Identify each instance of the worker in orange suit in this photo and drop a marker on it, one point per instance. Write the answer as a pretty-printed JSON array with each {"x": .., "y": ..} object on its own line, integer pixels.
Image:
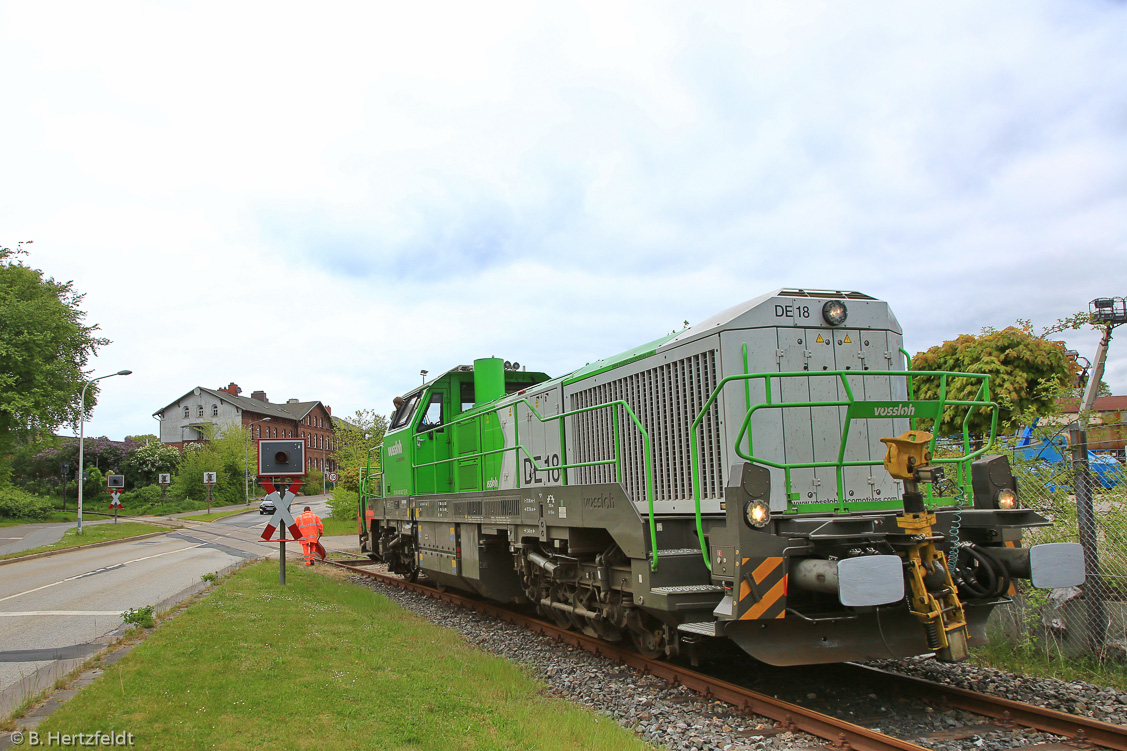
[{"x": 311, "y": 531}]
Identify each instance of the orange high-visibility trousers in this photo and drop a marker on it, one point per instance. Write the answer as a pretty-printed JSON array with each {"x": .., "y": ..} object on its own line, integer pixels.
[{"x": 311, "y": 529}]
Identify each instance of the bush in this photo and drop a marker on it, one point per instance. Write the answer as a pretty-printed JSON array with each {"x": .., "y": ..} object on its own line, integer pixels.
[
  {"x": 142, "y": 617},
  {"x": 314, "y": 482},
  {"x": 137, "y": 501},
  {"x": 343, "y": 504},
  {"x": 19, "y": 504}
]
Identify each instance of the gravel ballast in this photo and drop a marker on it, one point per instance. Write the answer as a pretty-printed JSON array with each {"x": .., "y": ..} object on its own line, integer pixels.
[{"x": 676, "y": 718}]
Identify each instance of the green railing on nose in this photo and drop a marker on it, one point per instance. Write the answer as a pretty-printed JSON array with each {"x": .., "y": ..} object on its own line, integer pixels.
[{"x": 913, "y": 409}]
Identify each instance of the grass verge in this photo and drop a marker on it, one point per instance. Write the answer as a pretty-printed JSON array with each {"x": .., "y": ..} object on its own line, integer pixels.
[
  {"x": 92, "y": 533},
  {"x": 1041, "y": 662},
  {"x": 322, "y": 664},
  {"x": 55, "y": 515},
  {"x": 334, "y": 526}
]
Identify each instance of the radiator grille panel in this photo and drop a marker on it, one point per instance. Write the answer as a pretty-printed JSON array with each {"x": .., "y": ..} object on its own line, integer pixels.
[{"x": 666, "y": 400}]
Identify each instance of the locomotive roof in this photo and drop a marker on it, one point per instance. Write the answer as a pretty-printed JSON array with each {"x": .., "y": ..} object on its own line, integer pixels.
[{"x": 744, "y": 315}]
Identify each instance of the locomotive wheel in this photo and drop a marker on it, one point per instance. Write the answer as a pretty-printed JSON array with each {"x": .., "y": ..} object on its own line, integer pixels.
[
  {"x": 647, "y": 643},
  {"x": 605, "y": 630},
  {"x": 585, "y": 625},
  {"x": 562, "y": 619}
]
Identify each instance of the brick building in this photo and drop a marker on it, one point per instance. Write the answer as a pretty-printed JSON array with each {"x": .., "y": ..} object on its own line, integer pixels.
[{"x": 183, "y": 421}]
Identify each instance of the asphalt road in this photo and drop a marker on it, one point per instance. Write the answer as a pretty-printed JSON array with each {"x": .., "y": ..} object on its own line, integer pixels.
[{"x": 58, "y": 610}]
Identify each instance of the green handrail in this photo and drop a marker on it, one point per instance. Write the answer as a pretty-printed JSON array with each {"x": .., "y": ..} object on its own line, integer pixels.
[
  {"x": 364, "y": 477},
  {"x": 616, "y": 460},
  {"x": 938, "y": 405}
]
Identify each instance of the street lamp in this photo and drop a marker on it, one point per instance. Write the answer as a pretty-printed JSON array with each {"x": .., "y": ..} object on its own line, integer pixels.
[
  {"x": 82, "y": 436},
  {"x": 246, "y": 459}
]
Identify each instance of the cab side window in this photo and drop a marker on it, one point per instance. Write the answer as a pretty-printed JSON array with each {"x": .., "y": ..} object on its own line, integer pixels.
[
  {"x": 466, "y": 395},
  {"x": 432, "y": 418}
]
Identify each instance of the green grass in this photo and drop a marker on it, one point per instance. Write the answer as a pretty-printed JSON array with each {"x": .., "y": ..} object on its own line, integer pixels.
[
  {"x": 1040, "y": 662},
  {"x": 213, "y": 516},
  {"x": 322, "y": 664},
  {"x": 93, "y": 533},
  {"x": 334, "y": 526}
]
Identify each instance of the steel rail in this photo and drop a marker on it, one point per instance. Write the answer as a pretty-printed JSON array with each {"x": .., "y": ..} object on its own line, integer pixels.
[
  {"x": 789, "y": 717},
  {"x": 1082, "y": 730}
]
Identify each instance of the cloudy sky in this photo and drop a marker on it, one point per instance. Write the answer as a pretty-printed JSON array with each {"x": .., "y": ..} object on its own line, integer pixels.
[{"x": 319, "y": 200}]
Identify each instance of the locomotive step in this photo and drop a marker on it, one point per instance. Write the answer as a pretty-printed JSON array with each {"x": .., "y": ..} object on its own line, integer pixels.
[
  {"x": 704, "y": 628},
  {"x": 678, "y": 552},
  {"x": 687, "y": 589}
]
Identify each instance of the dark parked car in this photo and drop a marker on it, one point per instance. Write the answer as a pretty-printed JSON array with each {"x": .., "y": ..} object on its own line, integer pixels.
[{"x": 266, "y": 507}]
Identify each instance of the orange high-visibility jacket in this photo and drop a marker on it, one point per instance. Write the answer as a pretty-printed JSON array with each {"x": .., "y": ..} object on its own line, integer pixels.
[{"x": 310, "y": 526}]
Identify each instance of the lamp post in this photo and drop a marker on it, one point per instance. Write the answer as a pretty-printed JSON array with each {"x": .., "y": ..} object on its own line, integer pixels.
[
  {"x": 82, "y": 437},
  {"x": 246, "y": 460}
]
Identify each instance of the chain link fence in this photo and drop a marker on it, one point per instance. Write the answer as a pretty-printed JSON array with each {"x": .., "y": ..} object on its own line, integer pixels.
[{"x": 1081, "y": 486}]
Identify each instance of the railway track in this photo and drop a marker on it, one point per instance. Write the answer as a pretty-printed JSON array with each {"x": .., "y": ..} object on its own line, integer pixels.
[{"x": 1000, "y": 714}]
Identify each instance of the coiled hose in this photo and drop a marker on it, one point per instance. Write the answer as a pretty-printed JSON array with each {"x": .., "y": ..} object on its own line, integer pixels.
[{"x": 978, "y": 574}]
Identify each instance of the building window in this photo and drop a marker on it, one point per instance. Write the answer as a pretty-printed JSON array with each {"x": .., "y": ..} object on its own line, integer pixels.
[
  {"x": 259, "y": 429},
  {"x": 215, "y": 410},
  {"x": 187, "y": 413},
  {"x": 199, "y": 411}
]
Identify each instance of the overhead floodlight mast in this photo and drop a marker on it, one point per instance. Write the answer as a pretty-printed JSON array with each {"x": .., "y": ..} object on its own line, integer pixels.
[
  {"x": 82, "y": 436},
  {"x": 1108, "y": 312}
]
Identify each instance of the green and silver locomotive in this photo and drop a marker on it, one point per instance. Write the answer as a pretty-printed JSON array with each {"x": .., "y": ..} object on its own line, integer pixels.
[{"x": 757, "y": 477}]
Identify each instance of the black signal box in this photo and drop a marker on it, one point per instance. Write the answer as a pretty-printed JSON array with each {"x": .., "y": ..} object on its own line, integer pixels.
[{"x": 281, "y": 457}]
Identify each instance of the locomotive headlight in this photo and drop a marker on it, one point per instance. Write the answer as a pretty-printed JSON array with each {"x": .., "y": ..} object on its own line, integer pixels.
[
  {"x": 757, "y": 513},
  {"x": 1005, "y": 498},
  {"x": 835, "y": 312}
]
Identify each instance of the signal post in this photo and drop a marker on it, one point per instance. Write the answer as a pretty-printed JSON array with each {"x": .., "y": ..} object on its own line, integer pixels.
[
  {"x": 281, "y": 467},
  {"x": 115, "y": 484}
]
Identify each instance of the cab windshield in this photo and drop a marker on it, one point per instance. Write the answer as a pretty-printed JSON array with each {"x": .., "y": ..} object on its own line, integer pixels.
[{"x": 403, "y": 415}]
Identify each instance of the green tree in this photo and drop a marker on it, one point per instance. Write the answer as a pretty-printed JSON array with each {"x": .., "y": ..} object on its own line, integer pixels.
[
  {"x": 44, "y": 349},
  {"x": 1027, "y": 374},
  {"x": 314, "y": 482},
  {"x": 355, "y": 438},
  {"x": 143, "y": 464},
  {"x": 222, "y": 454}
]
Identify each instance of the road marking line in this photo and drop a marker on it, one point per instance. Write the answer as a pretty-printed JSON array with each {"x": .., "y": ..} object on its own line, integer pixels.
[
  {"x": 31, "y": 613},
  {"x": 97, "y": 570}
]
